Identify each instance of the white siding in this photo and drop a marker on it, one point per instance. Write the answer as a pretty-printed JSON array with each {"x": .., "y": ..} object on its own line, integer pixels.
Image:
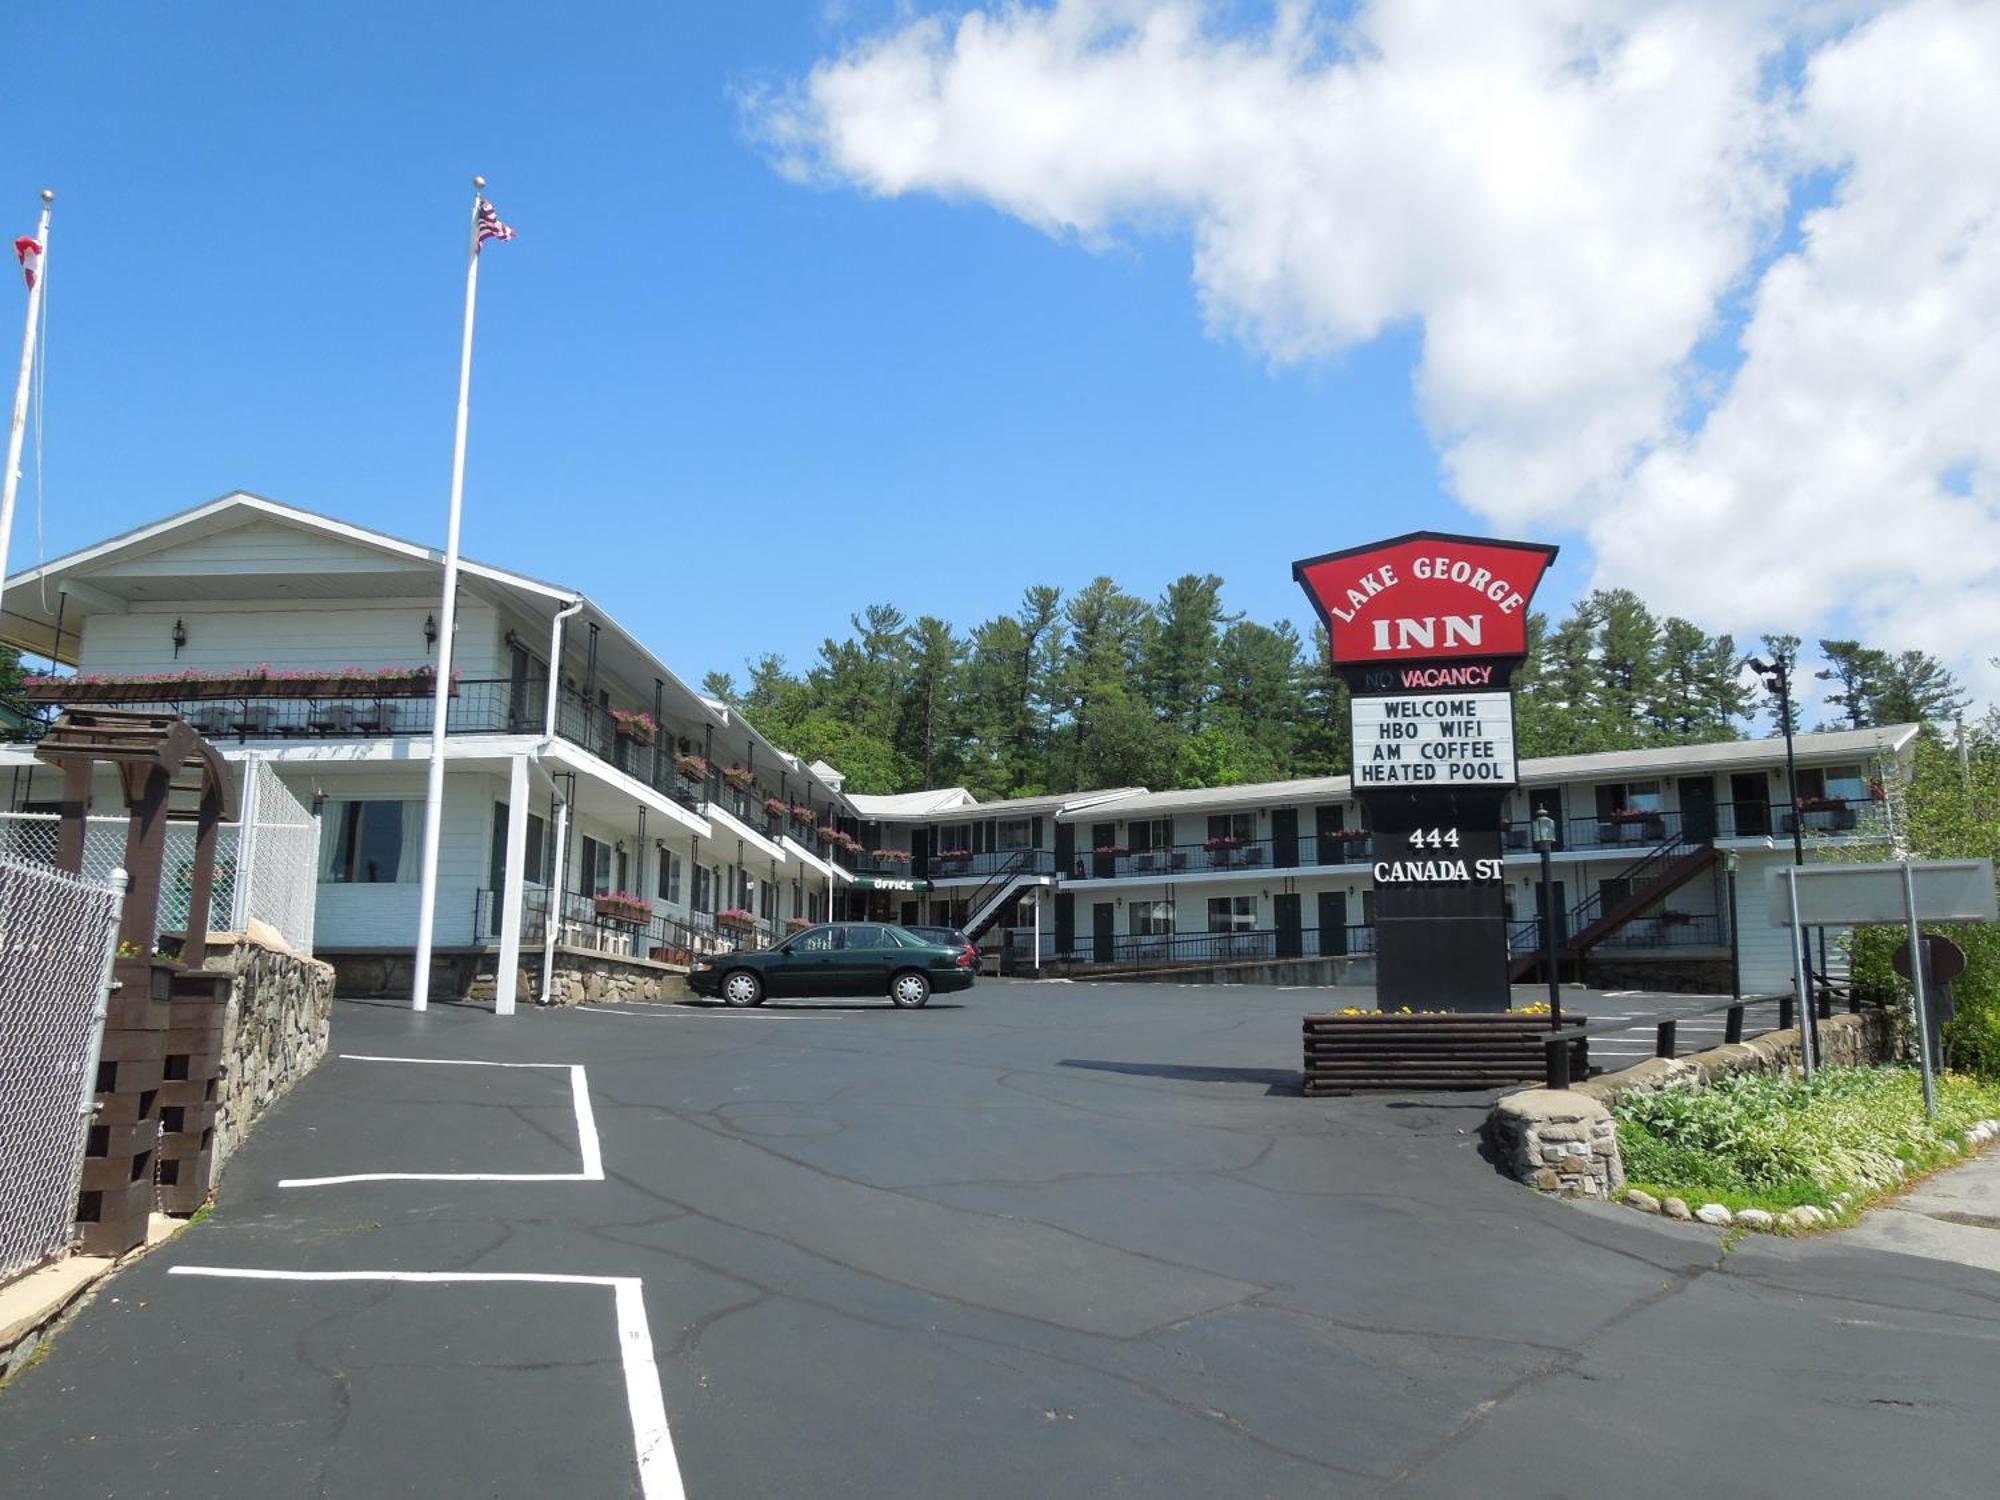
[
  {"x": 300, "y": 635},
  {"x": 261, "y": 546}
]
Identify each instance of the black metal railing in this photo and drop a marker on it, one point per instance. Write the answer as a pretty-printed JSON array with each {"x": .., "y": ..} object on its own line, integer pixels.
[
  {"x": 961, "y": 866},
  {"x": 1146, "y": 950},
  {"x": 1753, "y": 1015},
  {"x": 1669, "y": 929}
]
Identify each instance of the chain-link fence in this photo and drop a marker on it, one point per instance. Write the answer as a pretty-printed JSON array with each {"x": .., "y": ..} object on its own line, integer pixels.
[
  {"x": 276, "y": 879},
  {"x": 266, "y": 865},
  {"x": 56, "y": 937}
]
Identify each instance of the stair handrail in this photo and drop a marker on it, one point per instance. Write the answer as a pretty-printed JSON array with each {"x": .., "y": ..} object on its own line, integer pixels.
[{"x": 998, "y": 882}]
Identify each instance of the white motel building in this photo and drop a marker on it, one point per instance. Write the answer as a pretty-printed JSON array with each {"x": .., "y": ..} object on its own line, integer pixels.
[{"x": 302, "y": 644}]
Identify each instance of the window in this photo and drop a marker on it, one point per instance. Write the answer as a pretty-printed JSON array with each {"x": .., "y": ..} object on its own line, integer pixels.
[
  {"x": 1232, "y": 826},
  {"x": 1151, "y": 833},
  {"x": 372, "y": 843},
  {"x": 868, "y": 935},
  {"x": 1232, "y": 913},
  {"x": 593, "y": 874},
  {"x": 952, "y": 837},
  {"x": 1629, "y": 796},
  {"x": 669, "y": 888},
  {"x": 814, "y": 940},
  {"x": 1843, "y": 782},
  {"x": 1016, "y": 833},
  {"x": 704, "y": 887},
  {"x": 1151, "y": 918}
]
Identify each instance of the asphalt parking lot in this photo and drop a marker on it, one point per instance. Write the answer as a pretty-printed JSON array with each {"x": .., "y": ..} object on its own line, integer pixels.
[{"x": 1038, "y": 1239}]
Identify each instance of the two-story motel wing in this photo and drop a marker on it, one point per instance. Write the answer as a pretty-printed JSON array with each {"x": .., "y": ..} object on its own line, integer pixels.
[{"x": 666, "y": 796}]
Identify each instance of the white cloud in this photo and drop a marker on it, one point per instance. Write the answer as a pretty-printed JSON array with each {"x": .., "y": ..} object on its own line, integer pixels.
[{"x": 1564, "y": 194}]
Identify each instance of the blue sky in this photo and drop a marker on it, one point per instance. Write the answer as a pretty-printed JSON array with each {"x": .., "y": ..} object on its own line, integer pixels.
[{"x": 691, "y": 375}]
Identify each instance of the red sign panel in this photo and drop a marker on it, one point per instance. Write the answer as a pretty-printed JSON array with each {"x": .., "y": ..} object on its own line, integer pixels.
[{"x": 1426, "y": 596}]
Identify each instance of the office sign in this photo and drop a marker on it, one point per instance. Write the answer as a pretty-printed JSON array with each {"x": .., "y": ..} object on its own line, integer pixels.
[
  {"x": 1433, "y": 739},
  {"x": 1426, "y": 630},
  {"x": 1426, "y": 598}
]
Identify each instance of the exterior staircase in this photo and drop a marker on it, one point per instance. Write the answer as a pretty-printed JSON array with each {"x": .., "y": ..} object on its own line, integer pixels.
[
  {"x": 1648, "y": 882},
  {"x": 1002, "y": 889}
]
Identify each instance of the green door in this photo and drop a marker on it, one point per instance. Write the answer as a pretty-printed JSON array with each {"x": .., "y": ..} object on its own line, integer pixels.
[
  {"x": 1101, "y": 931},
  {"x": 1332, "y": 923},
  {"x": 1285, "y": 909}
]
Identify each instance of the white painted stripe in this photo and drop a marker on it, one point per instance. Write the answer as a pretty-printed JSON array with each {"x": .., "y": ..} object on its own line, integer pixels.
[
  {"x": 586, "y": 1125},
  {"x": 652, "y": 1440},
  {"x": 739, "y": 1015},
  {"x": 586, "y": 1134},
  {"x": 450, "y": 1062}
]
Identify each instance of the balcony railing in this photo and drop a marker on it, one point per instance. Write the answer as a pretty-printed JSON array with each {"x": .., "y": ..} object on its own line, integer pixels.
[
  {"x": 664, "y": 937},
  {"x": 991, "y": 862},
  {"x": 1241, "y": 946},
  {"x": 1216, "y": 856},
  {"x": 1660, "y": 929}
]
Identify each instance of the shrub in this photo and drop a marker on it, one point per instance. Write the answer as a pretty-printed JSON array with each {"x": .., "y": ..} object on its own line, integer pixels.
[{"x": 1783, "y": 1140}]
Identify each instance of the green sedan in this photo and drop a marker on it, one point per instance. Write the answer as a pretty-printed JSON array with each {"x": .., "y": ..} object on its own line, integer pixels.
[{"x": 838, "y": 958}]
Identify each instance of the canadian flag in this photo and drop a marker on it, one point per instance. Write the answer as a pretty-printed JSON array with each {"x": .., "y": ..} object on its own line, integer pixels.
[{"x": 30, "y": 251}]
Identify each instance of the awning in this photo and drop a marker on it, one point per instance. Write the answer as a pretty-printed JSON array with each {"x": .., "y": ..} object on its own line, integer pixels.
[{"x": 889, "y": 883}]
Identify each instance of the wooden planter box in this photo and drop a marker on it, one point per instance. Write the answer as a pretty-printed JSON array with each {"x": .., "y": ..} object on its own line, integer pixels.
[
  {"x": 185, "y": 689},
  {"x": 637, "y": 733},
  {"x": 736, "y": 924},
  {"x": 623, "y": 911},
  {"x": 1390, "y": 1053}
]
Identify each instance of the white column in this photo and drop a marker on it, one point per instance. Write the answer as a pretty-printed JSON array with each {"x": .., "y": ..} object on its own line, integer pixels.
[
  {"x": 511, "y": 887},
  {"x": 552, "y": 923}
]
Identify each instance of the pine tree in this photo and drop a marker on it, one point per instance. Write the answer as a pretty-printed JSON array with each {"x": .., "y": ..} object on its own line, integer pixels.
[
  {"x": 1919, "y": 689},
  {"x": 1178, "y": 666},
  {"x": 932, "y": 712},
  {"x": 1861, "y": 672}
]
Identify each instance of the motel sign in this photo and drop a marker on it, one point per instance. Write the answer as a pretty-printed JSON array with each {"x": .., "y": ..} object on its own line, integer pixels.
[{"x": 1426, "y": 630}]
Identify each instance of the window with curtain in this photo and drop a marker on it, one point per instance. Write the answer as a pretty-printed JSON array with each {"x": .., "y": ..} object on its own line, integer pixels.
[
  {"x": 371, "y": 843},
  {"x": 669, "y": 877},
  {"x": 1151, "y": 918},
  {"x": 1232, "y": 826},
  {"x": 1232, "y": 913}
]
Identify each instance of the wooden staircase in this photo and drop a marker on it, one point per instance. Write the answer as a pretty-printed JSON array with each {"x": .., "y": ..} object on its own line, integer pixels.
[{"x": 1665, "y": 870}]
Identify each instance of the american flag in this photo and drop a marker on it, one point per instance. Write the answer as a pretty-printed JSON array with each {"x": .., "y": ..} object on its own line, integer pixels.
[{"x": 490, "y": 227}]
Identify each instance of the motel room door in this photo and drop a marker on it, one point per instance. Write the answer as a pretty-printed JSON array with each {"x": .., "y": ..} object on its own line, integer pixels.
[
  {"x": 1285, "y": 908},
  {"x": 1101, "y": 929},
  {"x": 1332, "y": 923}
]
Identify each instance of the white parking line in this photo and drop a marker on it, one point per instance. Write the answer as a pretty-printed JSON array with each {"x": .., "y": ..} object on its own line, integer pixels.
[
  {"x": 650, "y": 1015},
  {"x": 586, "y": 1132},
  {"x": 659, "y": 1470}
]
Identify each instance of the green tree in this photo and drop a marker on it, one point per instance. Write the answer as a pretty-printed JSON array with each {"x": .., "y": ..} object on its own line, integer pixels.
[
  {"x": 1783, "y": 650},
  {"x": 1950, "y": 809},
  {"x": 1111, "y": 734},
  {"x": 1178, "y": 658},
  {"x": 1919, "y": 689},
  {"x": 931, "y": 724},
  {"x": 1858, "y": 673}
]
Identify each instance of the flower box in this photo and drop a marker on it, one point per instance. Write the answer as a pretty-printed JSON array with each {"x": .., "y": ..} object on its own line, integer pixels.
[
  {"x": 1350, "y": 835},
  {"x": 671, "y": 955},
  {"x": 639, "y": 728},
  {"x": 252, "y": 682},
  {"x": 735, "y": 919},
  {"x": 776, "y": 806},
  {"x": 893, "y": 856},
  {"x": 797, "y": 924},
  {"x": 1821, "y": 804},
  {"x": 954, "y": 854},
  {"x": 740, "y": 778},
  {"x": 692, "y": 767},
  {"x": 1111, "y": 851},
  {"x": 623, "y": 906},
  {"x": 804, "y": 814},
  {"x": 1228, "y": 842}
]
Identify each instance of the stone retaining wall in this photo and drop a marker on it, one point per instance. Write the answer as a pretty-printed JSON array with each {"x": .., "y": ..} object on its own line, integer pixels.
[
  {"x": 581, "y": 974},
  {"x": 280, "y": 1015},
  {"x": 1564, "y": 1140}
]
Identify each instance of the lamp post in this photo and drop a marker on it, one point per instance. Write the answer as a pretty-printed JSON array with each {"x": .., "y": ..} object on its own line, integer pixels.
[
  {"x": 1735, "y": 938},
  {"x": 1777, "y": 676},
  {"x": 1545, "y": 841}
]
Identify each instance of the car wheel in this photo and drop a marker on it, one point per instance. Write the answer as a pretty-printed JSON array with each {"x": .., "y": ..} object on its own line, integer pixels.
[
  {"x": 910, "y": 989},
  {"x": 742, "y": 987}
]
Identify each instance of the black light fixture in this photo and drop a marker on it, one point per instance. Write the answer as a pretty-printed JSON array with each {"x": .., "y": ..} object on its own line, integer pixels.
[
  {"x": 180, "y": 637},
  {"x": 1545, "y": 843},
  {"x": 430, "y": 632}
]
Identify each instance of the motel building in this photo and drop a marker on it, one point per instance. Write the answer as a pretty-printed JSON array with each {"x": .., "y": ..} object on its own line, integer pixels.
[{"x": 658, "y": 825}]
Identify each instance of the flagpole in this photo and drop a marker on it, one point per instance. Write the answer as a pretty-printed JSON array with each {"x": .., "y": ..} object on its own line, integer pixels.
[
  {"x": 19, "y": 426},
  {"x": 420, "y": 981}
]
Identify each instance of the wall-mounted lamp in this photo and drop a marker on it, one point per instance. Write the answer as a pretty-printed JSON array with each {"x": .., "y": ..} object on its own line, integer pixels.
[
  {"x": 430, "y": 632},
  {"x": 180, "y": 637}
]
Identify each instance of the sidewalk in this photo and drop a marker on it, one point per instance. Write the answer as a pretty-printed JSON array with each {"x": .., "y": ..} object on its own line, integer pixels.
[{"x": 1953, "y": 1216}]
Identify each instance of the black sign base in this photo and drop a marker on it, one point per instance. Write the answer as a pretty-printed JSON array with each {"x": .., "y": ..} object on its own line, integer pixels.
[{"x": 1440, "y": 900}]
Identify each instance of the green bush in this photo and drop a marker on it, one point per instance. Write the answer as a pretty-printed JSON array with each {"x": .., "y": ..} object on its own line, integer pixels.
[{"x": 1779, "y": 1141}]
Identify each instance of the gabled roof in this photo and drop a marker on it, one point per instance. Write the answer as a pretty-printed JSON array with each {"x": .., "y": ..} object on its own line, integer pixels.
[
  {"x": 893, "y": 805},
  {"x": 27, "y": 624}
]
